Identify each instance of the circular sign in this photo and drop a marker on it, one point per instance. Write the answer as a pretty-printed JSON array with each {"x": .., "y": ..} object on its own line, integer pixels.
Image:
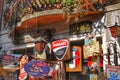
[{"x": 37, "y": 68}]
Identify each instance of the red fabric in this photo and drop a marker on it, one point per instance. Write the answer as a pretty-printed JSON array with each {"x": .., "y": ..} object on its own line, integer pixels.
[
  {"x": 90, "y": 61},
  {"x": 53, "y": 73},
  {"x": 101, "y": 61}
]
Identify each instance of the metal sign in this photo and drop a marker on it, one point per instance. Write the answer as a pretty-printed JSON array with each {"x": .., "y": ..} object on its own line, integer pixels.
[
  {"x": 113, "y": 72},
  {"x": 60, "y": 48},
  {"x": 37, "y": 68},
  {"x": 23, "y": 62},
  {"x": 74, "y": 64}
]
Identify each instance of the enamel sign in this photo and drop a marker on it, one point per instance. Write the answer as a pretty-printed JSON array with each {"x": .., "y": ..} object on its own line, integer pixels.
[
  {"x": 76, "y": 58},
  {"x": 74, "y": 64},
  {"x": 37, "y": 68},
  {"x": 113, "y": 72},
  {"x": 60, "y": 48},
  {"x": 23, "y": 62}
]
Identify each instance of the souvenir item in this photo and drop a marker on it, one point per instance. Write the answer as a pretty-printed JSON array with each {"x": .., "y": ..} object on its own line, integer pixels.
[
  {"x": 60, "y": 49},
  {"x": 113, "y": 72},
  {"x": 88, "y": 50},
  {"x": 37, "y": 68},
  {"x": 87, "y": 42},
  {"x": 74, "y": 64},
  {"x": 8, "y": 59},
  {"x": 23, "y": 62},
  {"x": 40, "y": 45}
]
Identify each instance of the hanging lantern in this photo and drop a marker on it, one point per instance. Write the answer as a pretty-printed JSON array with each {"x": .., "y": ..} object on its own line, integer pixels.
[{"x": 115, "y": 30}]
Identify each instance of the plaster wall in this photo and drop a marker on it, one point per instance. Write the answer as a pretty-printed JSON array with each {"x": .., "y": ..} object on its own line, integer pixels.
[
  {"x": 112, "y": 15},
  {"x": 5, "y": 41}
]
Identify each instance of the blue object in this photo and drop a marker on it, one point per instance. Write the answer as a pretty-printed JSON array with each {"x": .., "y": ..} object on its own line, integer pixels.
[{"x": 37, "y": 68}]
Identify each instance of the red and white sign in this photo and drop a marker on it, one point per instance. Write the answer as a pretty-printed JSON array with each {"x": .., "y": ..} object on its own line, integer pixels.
[
  {"x": 76, "y": 59},
  {"x": 23, "y": 61},
  {"x": 113, "y": 72},
  {"x": 75, "y": 63},
  {"x": 60, "y": 48},
  {"x": 8, "y": 57}
]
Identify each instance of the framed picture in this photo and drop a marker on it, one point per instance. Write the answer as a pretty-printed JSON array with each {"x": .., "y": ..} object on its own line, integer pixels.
[
  {"x": 88, "y": 50},
  {"x": 75, "y": 63}
]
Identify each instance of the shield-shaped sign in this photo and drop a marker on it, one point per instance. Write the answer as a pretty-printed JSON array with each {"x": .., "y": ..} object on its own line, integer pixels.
[{"x": 60, "y": 48}]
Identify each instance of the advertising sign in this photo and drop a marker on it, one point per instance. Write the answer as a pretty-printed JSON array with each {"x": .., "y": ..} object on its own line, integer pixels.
[
  {"x": 23, "y": 62},
  {"x": 7, "y": 59},
  {"x": 89, "y": 50},
  {"x": 60, "y": 49},
  {"x": 74, "y": 64},
  {"x": 37, "y": 68},
  {"x": 113, "y": 72}
]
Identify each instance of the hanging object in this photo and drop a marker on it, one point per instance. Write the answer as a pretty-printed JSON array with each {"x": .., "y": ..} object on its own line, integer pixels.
[
  {"x": 87, "y": 41},
  {"x": 37, "y": 68},
  {"x": 99, "y": 28},
  {"x": 75, "y": 63},
  {"x": 115, "y": 32},
  {"x": 23, "y": 62},
  {"x": 40, "y": 44},
  {"x": 89, "y": 50},
  {"x": 95, "y": 58},
  {"x": 115, "y": 29},
  {"x": 7, "y": 60},
  {"x": 60, "y": 49},
  {"x": 113, "y": 72}
]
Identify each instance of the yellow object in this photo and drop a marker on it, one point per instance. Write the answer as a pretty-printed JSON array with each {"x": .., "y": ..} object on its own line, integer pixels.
[{"x": 3, "y": 72}]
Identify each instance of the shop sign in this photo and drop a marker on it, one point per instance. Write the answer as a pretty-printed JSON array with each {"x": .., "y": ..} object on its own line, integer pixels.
[
  {"x": 37, "y": 68},
  {"x": 74, "y": 64},
  {"x": 89, "y": 50},
  {"x": 113, "y": 72},
  {"x": 60, "y": 48},
  {"x": 8, "y": 57}
]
